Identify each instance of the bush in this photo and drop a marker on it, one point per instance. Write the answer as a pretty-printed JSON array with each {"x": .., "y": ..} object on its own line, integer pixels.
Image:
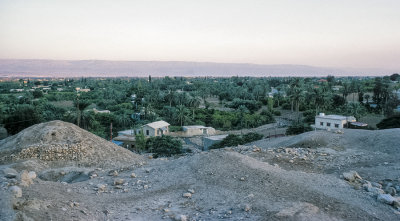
[
  {"x": 298, "y": 129},
  {"x": 250, "y": 137},
  {"x": 175, "y": 128},
  {"x": 390, "y": 122},
  {"x": 277, "y": 113},
  {"x": 309, "y": 116},
  {"x": 164, "y": 146},
  {"x": 234, "y": 140}
]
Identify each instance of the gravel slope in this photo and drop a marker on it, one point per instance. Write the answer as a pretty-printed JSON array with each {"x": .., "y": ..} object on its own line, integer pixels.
[{"x": 289, "y": 178}]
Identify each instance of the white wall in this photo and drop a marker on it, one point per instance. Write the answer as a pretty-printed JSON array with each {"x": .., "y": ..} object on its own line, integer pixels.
[{"x": 326, "y": 121}]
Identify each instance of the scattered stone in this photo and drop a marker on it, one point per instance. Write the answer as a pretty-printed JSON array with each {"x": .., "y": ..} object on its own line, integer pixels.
[
  {"x": 166, "y": 210},
  {"x": 386, "y": 198},
  {"x": 291, "y": 161},
  {"x": 16, "y": 191},
  {"x": 377, "y": 185},
  {"x": 25, "y": 179},
  {"x": 375, "y": 190},
  {"x": 242, "y": 179},
  {"x": 113, "y": 173},
  {"x": 391, "y": 191},
  {"x": 396, "y": 204},
  {"x": 101, "y": 187},
  {"x": 32, "y": 175},
  {"x": 247, "y": 208},
  {"x": 145, "y": 186},
  {"x": 133, "y": 175},
  {"x": 187, "y": 195},
  {"x": 367, "y": 185},
  {"x": 74, "y": 204},
  {"x": 118, "y": 182},
  {"x": 181, "y": 218},
  {"x": 351, "y": 176},
  {"x": 10, "y": 173},
  {"x": 191, "y": 191}
]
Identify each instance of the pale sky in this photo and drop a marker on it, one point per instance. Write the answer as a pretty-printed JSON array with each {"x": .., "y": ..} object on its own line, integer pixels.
[{"x": 329, "y": 33}]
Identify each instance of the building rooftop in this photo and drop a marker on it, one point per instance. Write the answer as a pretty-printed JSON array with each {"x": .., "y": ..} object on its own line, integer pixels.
[
  {"x": 195, "y": 127},
  {"x": 336, "y": 117},
  {"x": 129, "y": 132},
  {"x": 218, "y": 137},
  {"x": 158, "y": 124},
  {"x": 332, "y": 116}
]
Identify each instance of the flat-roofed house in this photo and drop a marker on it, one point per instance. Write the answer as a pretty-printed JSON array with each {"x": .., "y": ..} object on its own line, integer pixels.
[
  {"x": 328, "y": 122},
  {"x": 155, "y": 129}
]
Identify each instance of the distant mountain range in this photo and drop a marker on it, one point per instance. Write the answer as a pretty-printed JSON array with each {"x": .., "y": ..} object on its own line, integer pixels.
[{"x": 105, "y": 68}]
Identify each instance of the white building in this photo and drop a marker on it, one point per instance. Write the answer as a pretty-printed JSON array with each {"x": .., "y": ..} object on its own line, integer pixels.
[
  {"x": 155, "y": 129},
  {"x": 328, "y": 122},
  {"x": 101, "y": 111},
  {"x": 196, "y": 130}
]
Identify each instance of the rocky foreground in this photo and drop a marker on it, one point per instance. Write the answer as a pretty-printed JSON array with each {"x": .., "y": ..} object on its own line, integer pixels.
[{"x": 304, "y": 177}]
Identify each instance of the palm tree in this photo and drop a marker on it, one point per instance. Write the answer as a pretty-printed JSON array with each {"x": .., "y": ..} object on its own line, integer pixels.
[
  {"x": 194, "y": 103},
  {"x": 367, "y": 97},
  {"x": 318, "y": 98},
  {"x": 181, "y": 114},
  {"x": 297, "y": 94}
]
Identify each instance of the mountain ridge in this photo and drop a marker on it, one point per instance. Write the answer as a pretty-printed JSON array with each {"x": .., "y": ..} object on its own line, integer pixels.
[{"x": 118, "y": 68}]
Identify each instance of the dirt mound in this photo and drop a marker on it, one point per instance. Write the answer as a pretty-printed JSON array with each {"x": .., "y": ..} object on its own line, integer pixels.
[{"x": 61, "y": 143}]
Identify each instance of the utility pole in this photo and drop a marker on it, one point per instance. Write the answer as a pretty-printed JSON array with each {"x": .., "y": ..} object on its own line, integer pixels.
[{"x": 111, "y": 131}]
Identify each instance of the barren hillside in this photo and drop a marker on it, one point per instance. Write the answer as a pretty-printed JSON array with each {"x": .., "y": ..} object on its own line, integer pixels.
[{"x": 300, "y": 177}]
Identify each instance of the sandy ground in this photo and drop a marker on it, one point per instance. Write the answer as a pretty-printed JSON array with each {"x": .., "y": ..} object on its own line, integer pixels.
[{"x": 288, "y": 178}]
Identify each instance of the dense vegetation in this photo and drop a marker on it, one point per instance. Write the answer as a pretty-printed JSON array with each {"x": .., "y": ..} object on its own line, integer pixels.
[
  {"x": 234, "y": 140},
  {"x": 222, "y": 103},
  {"x": 164, "y": 146},
  {"x": 390, "y": 122}
]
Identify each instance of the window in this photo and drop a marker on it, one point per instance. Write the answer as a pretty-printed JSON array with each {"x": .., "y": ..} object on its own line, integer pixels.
[
  {"x": 321, "y": 123},
  {"x": 147, "y": 132},
  {"x": 337, "y": 125},
  {"x": 328, "y": 124}
]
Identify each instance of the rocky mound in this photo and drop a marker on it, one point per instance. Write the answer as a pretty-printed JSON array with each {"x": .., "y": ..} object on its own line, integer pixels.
[{"x": 61, "y": 143}]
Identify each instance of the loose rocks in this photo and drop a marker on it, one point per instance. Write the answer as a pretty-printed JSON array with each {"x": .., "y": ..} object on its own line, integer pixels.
[
  {"x": 16, "y": 191},
  {"x": 386, "y": 198},
  {"x": 187, "y": 195},
  {"x": 10, "y": 173},
  {"x": 101, "y": 187},
  {"x": 375, "y": 190},
  {"x": 351, "y": 176},
  {"x": 27, "y": 178},
  {"x": 118, "y": 182}
]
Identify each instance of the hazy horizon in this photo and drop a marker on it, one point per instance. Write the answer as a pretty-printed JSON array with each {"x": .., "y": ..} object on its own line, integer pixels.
[{"x": 360, "y": 34}]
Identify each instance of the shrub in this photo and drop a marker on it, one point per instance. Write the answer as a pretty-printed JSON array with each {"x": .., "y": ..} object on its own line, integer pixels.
[
  {"x": 390, "y": 122},
  {"x": 175, "y": 128},
  {"x": 234, "y": 140},
  {"x": 164, "y": 146},
  {"x": 250, "y": 137},
  {"x": 298, "y": 129},
  {"x": 277, "y": 113}
]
